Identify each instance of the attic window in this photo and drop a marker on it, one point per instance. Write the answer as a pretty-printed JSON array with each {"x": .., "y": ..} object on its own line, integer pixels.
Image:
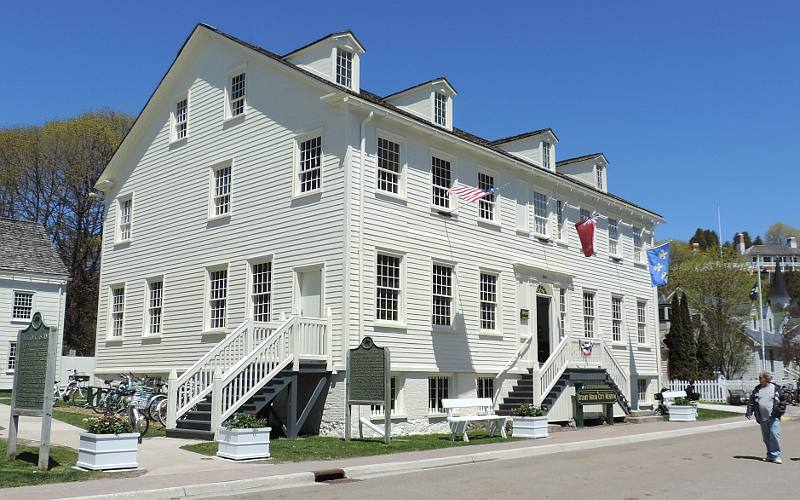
[
  {"x": 546, "y": 155},
  {"x": 440, "y": 109},
  {"x": 599, "y": 171},
  {"x": 237, "y": 95},
  {"x": 344, "y": 67}
]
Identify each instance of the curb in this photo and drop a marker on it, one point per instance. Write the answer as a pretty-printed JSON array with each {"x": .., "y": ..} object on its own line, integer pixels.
[{"x": 361, "y": 472}]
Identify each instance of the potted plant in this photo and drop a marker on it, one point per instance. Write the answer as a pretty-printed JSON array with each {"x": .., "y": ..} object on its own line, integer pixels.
[
  {"x": 107, "y": 444},
  {"x": 682, "y": 410},
  {"x": 243, "y": 437},
  {"x": 529, "y": 421}
]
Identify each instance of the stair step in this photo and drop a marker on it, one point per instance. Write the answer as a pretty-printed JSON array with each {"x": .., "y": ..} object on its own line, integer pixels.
[
  {"x": 648, "y": 419},
  {"x": 190, "y": 434},
  {"x": 198, "y": 415},
  {"x": 201, "y": 425}
]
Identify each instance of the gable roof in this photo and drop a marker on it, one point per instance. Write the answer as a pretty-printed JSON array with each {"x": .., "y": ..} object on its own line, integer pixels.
[
  {"x": 379, "y": 101},
  {"x": 429, "y": 82},
  {"x": 25, "y": 247},
  {"x": 592, "y": 156},
  {"x": 524, "y": 135},
  {"x": 771, "y": 250},
  {"x": 329, "y": 35}
]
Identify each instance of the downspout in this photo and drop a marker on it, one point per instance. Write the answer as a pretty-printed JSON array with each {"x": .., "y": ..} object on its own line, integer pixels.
[{"x": 362, "y": 163}]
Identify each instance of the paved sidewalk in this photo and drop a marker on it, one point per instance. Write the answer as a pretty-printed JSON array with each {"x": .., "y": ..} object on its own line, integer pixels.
[{"x": 180, "y": 472}]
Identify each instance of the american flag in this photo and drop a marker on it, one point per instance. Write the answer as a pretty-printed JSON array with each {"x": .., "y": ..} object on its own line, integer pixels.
[
  {"x": 752, "y": 269},
  {"x": 470, "y": 194}
]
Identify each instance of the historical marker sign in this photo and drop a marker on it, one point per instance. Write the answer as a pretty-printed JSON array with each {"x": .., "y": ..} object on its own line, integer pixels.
[
  {"x": 369, "y": 381},
  {"x": 596, "y": 394},
  {"x": 34, "y": 376}
]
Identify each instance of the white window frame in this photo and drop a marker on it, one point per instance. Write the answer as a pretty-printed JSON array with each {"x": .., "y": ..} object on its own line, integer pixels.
[
  {"x": 123, "y": 225},
  {"x": 344, "y": 79},
  {"x": 297, "y": 185},
  {"x": 617, "y": 315},
  {"x": 560, "y": 220},
  {"x": 451, "y": 296},
  {"x": 641, "y": 393},
  {"x": 229, "y": 115},
  {"x": 175, "y": 123},
  {"x": 400, "y": 175},
  {"x": 19, "y": 319},
  {"x": 589, "y": 310},
  {"x": 599, "y": 180},
  {"x": 563, "y": 311},
  {"x": 638, "y": 250},
  {"x": 377, "y": 412},
  {"x": 213, "y": 196},
  {"x": 440, "y": 119},
  {"x": 148, "y": 307},
  {"x": 540, "y": 220},
  {"x": 110, "y": 335},
  {"x": 614, "y": 242},
  {"x": 401, "y": 290},
  {"x": 440, "y": 392},
  {"x": 496, "y": 328},
  {"x": 207, "y": 299},
  {"x": 641, "y": 322},
  {"x": 546, "y": 156},
  {"x": 451, "y": 161},
  {"x": 492, "y": 203},
  {"x": 584, "y": 214},
  {"x": 485, "y": 380},
  {"x": 11, "y": 360},
  {"x": 251, "y": 295}
]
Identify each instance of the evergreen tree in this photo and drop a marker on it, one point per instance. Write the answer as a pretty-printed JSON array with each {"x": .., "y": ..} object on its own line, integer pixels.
[
  {"x": 681, "y": 342},
  {"x": 758, "y": 240},
  {"x": 705, "y": 367}
]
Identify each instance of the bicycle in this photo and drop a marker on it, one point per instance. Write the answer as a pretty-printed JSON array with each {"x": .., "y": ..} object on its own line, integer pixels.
[{"x": 72, "y": 388}]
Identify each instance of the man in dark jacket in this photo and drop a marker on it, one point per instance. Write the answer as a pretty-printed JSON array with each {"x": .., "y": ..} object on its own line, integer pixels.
[{"x": 766, "y": 403}]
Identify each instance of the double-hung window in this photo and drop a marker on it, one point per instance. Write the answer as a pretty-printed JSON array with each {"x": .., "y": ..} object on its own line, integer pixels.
[
  {"x": 599, "y": 172},
  {"x": 486, "y": 205},
  {"x": 546, "y": 155},
  {"x": 540, "y": 214},
  {"x": 181, "y": 119},
  {"x": 236, "y": 95},
  {"x": 344, "y": 67},
  {"x": 562, "y": 312},
  {"x": 588, "y": 314},
  {"x": 488, "y": 301},
  {"x": 221, "y": 194},
  {"x": 155, "y": 304},
  {"x": 309, "y": 171},
  {"x": 442, "y": 295},
  {"x": 586, "y": 214},
  {"x": 377, "y": 410},
  {"x": 641, "y": 321},
  {"x": 22, "y": 307},
  {"x": 125, "y": 207},
  {"x": 613, "y": 237},
  {"x": 117, "y": 310},
  {"x": 616, "y": 319},
  {"x": 12, "y": 355},
  {"x": 441, "y": 180},
  {"x": 261, "y": 291},
  {"x": 641, "y": 386},
  {"x": 485, "y": 387},
  {"x": 389, "y": 167},
  {"x": 440, "y": 108},
  {"x": 559, "y": 220},
  {"x": 438, "y": 389},
  {"x": 217, "y": 298},
  {"x": 637, "y": 245},
  {"x": 388, "y": 289}
]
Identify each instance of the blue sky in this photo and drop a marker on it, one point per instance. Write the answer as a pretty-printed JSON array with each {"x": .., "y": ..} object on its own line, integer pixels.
[{"x": 695, "y": 104}]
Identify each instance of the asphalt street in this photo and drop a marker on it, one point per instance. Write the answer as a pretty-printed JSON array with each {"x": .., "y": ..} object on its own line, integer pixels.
[{"x": 717, "y": 465}]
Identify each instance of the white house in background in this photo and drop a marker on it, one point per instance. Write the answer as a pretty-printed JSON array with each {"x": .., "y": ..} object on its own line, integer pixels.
[
  {"x": 787, "y": 254},
  {"x": 265, "y": 213},
  {"x": 32, "y": 278}
]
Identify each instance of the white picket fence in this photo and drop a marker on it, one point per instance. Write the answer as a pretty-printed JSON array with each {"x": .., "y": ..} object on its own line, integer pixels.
[{"x": 717, "y": 390}]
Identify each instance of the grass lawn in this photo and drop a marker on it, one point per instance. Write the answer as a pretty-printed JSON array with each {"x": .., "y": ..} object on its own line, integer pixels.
[
  {"x": 23, "y": 470},
  {"x": 325, "y": 448},
  {"x": 703, "y": 414},
  {"x": 75, "y": 414}
]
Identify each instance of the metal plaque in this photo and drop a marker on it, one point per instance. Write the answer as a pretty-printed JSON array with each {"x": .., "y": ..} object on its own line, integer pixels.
[
  {"x": 30, "y": 368},
  {"x": 596, "y": 394},
  {"x": 367, "y": 373}
]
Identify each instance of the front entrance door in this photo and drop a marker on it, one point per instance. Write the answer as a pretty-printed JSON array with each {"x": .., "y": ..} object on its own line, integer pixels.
[
  {"x": 310, "y": 286},
  {"x": 543, "y": 327}
]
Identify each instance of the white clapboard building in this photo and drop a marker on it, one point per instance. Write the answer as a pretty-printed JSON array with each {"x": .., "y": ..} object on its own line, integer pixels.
[
  {"x": 32, "y": 279},
  {"x": 265, "y": 213}
]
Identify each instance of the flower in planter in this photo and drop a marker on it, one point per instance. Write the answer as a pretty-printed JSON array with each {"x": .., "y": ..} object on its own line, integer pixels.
[
  {"x": 244, "y": 421},
  {"x": 108, "y": 424},
  {"x": 682, "y": 402},
  {"x": 528, "y": 410}
]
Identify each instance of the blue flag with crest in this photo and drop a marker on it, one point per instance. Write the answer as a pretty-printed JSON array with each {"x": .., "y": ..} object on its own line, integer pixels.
[{"x": 658, "y": 258}]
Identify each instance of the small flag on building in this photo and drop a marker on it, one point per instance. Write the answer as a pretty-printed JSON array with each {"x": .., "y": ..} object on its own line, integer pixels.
[
  {"x": 471, "y": 194},
  {"x": 752, "y": 268},
  {"x": 586, "y": 231},
  {"x": 658, "y": 258}
]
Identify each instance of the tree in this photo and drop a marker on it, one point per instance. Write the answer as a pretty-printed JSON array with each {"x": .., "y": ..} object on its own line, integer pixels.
[
  {"x": 777, "y": 233},
  {"x": 705, "y": 367},
  {"x": 705, "y": 238},
  {"x": 46, "y": 177},
  {"x": 680, "y": 341},
  {"x": 717, "y": 287},
  {"x": 790, "y": 350},
  {"x": 747, "y": 241},
  {"x": 758, "y": 240}
]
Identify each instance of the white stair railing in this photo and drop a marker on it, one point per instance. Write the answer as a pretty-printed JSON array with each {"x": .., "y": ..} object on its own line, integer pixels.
[
  {"x": 552, "y": 369},
  {"x": 614, "y": 369},
  {"x": 242, "y": 381}
]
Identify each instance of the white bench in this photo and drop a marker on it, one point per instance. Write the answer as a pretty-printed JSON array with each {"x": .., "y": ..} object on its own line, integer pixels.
[
  {"x": 670, "y": 396},
  {"x": 485, "y": 412}
]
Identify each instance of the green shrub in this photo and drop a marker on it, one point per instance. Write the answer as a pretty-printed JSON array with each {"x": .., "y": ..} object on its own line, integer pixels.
[
  {"x": 244, "y": 421},
  {"x": 528, "y": 410},
  {"x": 682, "y": 402},
  {"x": 107, "y": 424}
]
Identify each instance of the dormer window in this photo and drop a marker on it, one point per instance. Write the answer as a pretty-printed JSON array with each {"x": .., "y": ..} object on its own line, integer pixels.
[
  {"x": 440, "y": 109},
  {"x": 599, "y": 171},
  {"x": 546, "y": 155},
  {"x": 344, "y": 67}
]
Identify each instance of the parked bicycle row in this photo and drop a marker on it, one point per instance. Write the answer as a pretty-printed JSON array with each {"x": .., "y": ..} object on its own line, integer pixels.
[{"x": 143, "y": 399}]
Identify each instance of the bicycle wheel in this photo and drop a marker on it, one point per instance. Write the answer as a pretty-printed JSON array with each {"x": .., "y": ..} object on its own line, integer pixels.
[
  {"x": 152, "y": 407},
  {"x": 139, "y": 422},
  {"x": 98, "y": 402},
  {"x": 161, "y": 412}
]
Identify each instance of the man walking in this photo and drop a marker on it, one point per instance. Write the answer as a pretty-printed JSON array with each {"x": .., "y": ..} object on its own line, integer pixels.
[{"x": 766, "y": 402}]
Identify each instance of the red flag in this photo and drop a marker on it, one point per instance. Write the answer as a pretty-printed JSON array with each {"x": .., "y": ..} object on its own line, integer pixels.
[{"x": 585, "y": 230}]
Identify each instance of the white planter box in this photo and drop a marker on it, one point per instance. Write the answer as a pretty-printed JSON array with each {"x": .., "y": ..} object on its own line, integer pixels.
[
  {"x": 243, "y": 444},
  {"x": 529, "y": 427},
  {"x": 108, "y": 451},
  {"x": 682, "y": 414}
]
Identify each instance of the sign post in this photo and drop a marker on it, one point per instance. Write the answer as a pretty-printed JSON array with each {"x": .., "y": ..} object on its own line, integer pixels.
[
  {"x": 34, "y": 376},
  {"x": 594, "y": 394},
  {"x": 369, "y": 383}
]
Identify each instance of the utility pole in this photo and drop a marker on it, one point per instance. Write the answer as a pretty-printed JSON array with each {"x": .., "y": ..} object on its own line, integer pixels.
[{"x": 761, "y": 315}]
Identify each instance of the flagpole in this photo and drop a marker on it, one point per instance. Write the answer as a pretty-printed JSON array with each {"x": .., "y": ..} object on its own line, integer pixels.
[{"x": 761, "y": 316}]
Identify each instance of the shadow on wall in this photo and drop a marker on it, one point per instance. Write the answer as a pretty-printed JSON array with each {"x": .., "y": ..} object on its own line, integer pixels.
[{"x": 451, "y": 349}]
